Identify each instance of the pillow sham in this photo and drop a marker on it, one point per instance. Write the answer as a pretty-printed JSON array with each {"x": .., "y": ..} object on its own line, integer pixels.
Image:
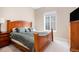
[
  {"x": 20, "y": 29},
  {"x": 23, "y": 29},
  {"x": 30, "y": 29},
  {"x": 14, "y": 30},
  {"x": 27, "y": 29}
]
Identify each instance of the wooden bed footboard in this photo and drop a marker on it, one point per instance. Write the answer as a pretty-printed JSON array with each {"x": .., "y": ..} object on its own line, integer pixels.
[{"x": 41, "y": 42}]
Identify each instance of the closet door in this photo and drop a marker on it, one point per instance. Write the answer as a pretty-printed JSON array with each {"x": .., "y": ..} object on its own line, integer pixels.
[{"x": 75, "y": 35}]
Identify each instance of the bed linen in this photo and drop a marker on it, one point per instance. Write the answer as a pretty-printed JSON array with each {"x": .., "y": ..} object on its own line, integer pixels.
[{"x": 26, "y": 38}]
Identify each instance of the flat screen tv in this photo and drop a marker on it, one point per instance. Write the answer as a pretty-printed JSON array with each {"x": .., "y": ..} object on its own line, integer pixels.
[{"x": 74, "y": 15}]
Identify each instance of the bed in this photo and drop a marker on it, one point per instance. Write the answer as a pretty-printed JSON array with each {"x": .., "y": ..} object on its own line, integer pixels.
[{"x": 40, "y": 41}]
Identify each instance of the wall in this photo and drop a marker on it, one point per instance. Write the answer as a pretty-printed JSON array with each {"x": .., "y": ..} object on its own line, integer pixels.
[
  {"x": 17, "y": 13},
  {"x": 36, "y": 16},
  {"x": 63, "y": 18}
]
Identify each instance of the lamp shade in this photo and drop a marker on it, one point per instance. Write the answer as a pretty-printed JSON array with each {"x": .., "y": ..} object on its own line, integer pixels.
[{"x": 2, "y": 20}]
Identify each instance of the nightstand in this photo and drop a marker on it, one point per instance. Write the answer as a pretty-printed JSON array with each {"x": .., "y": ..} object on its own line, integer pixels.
[{"x": 4, "y": 39}]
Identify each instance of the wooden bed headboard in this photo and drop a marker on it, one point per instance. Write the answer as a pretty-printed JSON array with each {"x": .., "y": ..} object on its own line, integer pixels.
[{"x": 15, "y": 24}]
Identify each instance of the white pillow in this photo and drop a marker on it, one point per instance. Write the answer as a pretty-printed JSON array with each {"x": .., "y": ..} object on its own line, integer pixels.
[{"x": 13, "y": 30}]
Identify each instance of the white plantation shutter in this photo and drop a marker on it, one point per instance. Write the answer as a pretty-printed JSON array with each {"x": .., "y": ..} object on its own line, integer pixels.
[{"x": 49, "y": 21}]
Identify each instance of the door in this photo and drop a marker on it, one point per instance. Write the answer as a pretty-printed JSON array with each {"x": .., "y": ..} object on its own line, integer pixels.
[{"x": 75, "y": 34}]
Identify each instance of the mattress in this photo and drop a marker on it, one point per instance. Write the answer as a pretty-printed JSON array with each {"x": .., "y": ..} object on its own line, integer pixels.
[{"x": 19, "y": 43}]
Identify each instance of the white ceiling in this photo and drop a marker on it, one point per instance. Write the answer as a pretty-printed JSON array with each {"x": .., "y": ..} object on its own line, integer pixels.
[{"x": 35, "y": 7}]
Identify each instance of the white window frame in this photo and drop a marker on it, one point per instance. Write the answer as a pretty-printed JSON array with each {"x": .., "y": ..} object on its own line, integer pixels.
[{"x": 53, "y": 13}]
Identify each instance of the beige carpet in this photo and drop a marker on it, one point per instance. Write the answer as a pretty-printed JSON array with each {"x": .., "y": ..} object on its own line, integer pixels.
[{"x": 56, "y": 46}]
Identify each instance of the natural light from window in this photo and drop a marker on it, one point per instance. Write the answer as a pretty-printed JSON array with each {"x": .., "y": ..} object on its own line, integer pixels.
[{"x": 50, "y": 21}]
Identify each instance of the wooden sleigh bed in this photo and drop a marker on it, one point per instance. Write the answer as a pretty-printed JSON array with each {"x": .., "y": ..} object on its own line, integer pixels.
[{"x": 40, "y": 42}]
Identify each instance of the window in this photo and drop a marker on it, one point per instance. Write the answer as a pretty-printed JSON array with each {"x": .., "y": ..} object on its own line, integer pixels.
[{"x": 50, "y": 21}]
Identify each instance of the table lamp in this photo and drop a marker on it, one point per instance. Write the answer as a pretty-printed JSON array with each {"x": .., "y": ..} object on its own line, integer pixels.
[{"x": 1, "y": 22}]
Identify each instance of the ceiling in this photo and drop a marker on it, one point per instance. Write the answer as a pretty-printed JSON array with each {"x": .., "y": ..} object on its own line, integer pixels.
[{"x": 35, "y": 7}]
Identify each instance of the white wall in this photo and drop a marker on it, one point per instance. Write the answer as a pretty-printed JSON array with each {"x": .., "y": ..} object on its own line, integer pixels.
[
  {"x": 17, "y": 13},
  {"x": 63, "y": 18},
  {"x": 36, "y": 16}
]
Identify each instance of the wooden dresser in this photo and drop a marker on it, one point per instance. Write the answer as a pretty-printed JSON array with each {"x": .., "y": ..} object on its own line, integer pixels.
[{"x": 4, "y": 39}]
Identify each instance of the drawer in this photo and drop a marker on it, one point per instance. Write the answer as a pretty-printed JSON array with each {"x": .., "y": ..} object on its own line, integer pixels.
[
  {"x": 4, "y": 43},
  {"x": 4, "y": 35},
  {"x": 4, "y": 39}
]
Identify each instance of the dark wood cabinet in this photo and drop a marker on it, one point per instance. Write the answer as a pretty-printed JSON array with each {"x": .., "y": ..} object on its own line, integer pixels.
[
  {"x": 4, "y": 39},
  {"x": 75, "y": 36}
]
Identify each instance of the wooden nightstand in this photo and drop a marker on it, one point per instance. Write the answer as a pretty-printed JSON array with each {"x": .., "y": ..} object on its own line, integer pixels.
[{"x": 4, "y": 39}]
